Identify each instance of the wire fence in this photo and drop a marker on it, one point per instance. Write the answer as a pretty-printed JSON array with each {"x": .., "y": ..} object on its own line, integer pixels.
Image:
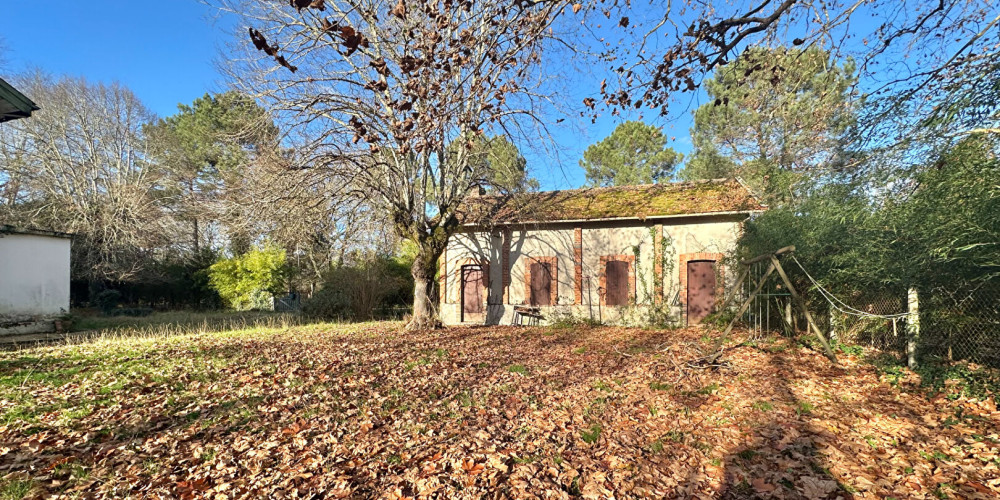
[
  {"x": 961, "y": 324},
  {"x": 882, "y": 328},
  {"x": 956, "y": 323}
]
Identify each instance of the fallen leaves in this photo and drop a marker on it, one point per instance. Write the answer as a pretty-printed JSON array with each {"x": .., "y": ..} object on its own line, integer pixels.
[
  {"x": 372, "y": 412},
  {"x": 471, "y": 467}
]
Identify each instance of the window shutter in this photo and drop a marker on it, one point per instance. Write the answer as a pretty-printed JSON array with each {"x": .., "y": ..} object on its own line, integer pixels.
[
  {"x": 616, "y": 281},
  {"x": 541, "y": 284}
]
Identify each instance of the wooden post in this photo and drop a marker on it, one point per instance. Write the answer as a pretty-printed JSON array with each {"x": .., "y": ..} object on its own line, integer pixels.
[
  {"x": 802, "y": 305},
  {"x": 789, "y": 321},
  {"x": 912, "y": 328}
]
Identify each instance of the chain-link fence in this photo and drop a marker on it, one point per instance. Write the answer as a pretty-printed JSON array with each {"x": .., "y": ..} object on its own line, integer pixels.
[
  {"x": 880, "y": 326},
  {"x": 961, "y": 324},
  {"x": 955, "y": 323}
]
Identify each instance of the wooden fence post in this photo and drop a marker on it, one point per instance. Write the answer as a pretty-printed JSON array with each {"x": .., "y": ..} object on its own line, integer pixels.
[
  {"x": 912, "y": 328},
  {"x": 834, "y": 326},
  {"x": 805, "y": 310}
]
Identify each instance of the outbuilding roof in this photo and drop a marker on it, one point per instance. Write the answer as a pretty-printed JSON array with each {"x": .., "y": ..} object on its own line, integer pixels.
[
  {"x": 648, "y": 201},
  {"x": 9, "y": 229}
]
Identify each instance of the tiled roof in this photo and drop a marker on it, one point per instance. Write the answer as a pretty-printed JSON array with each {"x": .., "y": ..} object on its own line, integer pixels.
[{"x": 620, "y": 202}]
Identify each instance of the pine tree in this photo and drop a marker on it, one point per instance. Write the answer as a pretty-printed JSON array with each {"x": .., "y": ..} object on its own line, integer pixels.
[
  {"x": 635, "y": 153},
  {"x": 774, "y": 117}
]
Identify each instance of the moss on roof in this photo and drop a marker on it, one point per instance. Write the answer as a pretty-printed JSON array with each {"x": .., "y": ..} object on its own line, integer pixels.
[{"x": 642, "y": 202}]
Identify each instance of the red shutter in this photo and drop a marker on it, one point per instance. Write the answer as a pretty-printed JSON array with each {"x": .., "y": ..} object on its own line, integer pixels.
[
  {"x": 616, "y": 280},
  {"x": 541, "y": 284}
]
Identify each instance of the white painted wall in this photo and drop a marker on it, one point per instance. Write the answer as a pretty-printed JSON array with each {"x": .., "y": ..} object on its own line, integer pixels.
[{"x": 34, "y": 275}]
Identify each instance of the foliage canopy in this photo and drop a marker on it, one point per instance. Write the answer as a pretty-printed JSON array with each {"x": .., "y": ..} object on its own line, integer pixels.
[
  {"x": 635, "y": 153},
  {"x": 774, "y": 128}
]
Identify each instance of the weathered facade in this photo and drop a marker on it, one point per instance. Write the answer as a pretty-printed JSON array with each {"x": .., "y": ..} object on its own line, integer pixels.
[
  {"x": 616, "y": 255},
  {"x": 34, "y": 279}
]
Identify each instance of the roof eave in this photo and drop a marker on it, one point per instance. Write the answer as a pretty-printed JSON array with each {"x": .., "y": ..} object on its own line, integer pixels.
[
  {"x": 31, "y": 231},
  {"x": 23, "y": 106},
  {"x": 621, "y": 219}
]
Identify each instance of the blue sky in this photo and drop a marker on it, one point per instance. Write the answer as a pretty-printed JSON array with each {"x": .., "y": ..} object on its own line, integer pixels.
[{"x": 165, "y": 51}]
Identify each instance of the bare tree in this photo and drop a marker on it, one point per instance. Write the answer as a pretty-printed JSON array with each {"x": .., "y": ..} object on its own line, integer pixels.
[
  {"x": 925, "y": 65},
  {"x": 76, "y": 166},
  {"x": 305, "y": 212},
  {"x": 378, "y": 92}
]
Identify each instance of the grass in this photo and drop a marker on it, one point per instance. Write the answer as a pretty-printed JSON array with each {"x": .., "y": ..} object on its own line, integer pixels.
[
  {"x": 804, "y": 408},
  {"x": 660, "y": 386},
  {"x": 954, "y": 380},
  {"x": 110, "y": 362},
  {"x": 184, "y": 406},
  {"x": 519, "y": 369},
  {"x": 183, "y": 321},
  {"x": 590, "y": 436},
  {"x": 15, "y": 489}
]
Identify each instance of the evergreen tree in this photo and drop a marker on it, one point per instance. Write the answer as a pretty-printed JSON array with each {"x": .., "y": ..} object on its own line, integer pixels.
[
  {"x": 635, "y": 153},
  {"x": 774, "y": 116},
  {"x": 501, "y": 164},
  {"x": 200, "y": 150}
]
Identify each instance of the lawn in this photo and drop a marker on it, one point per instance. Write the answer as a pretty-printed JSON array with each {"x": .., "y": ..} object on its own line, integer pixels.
[{"x": 366, "y": 410}]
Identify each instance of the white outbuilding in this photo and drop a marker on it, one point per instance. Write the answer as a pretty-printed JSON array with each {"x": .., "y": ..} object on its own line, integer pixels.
[
  {"x": 34, "y": 263},
  {"x": 34, "y": 279}
]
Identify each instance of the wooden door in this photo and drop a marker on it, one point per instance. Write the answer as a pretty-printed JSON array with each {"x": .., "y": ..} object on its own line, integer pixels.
[
  {"x": 700, "y": 290},
  {"x": 472, "y": 293},
  {"x": 541, "y": 284},
  {"x": 616, "y": 281}
]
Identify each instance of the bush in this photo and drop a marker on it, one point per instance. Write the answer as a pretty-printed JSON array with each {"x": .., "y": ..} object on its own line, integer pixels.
[
  {"x": 175, "y": 281},
  {"x": 358, "y": 291},
  {"x": 107, "y": 300},
  {"x": 131, "y": 312},
  {"x": 570, "y": 321},
  {"x": 248, "y": 281}
]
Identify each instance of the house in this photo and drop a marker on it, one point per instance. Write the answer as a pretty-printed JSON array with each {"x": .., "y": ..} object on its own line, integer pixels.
[{"x": 612, "y": 254}]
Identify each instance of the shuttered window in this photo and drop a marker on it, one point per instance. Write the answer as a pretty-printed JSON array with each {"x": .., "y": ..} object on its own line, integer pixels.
[
  {"x": 616, "y": 280},
  {"x": 541, "y": 284}
]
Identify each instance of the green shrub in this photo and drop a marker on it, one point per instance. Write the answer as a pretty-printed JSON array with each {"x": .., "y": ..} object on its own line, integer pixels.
[
  {"x": 248, "y": 281},
  {"x": 107, "y": 300},
  {"x": 131, "y": 311},
  {"x": 569, "y": 321}
]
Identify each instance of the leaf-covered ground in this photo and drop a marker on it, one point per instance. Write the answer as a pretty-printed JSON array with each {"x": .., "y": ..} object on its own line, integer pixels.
[{"x": 367, "y": 411}]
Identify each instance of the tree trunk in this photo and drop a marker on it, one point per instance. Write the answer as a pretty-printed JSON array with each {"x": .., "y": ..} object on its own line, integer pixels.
[
  {"x": 195, "y": 233},
  {"x": 424, "y": 303}
]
